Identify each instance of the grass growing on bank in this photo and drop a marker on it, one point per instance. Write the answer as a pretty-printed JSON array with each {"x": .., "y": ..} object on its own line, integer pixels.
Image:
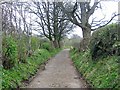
[
  {"x": 102, "y": 73},
  {"x": 13, "y": 78}
]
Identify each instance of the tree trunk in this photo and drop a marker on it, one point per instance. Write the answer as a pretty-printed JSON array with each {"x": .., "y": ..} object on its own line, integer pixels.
[
  {"x": 0, "y": 35},
  {"x": 59, "y": 44},
  {"x": 86, "y": 39},
  {"x": 118, "y": 21},
  {"x": 51, "y": 42},
  {"x": 55, "y": 43}
]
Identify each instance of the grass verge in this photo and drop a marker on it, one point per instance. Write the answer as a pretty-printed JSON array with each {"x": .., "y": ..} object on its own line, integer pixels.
[
  {"x": 102, "y": 73},
  {"x": 23, "y": 71}
]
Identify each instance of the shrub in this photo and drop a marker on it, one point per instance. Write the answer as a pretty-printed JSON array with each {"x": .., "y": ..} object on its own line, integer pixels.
[
  {"x": 13, "y": 78},
  {"x": 10, "y": 52},
  {"x": 22, "y": 48},
  {"x": 101, "y": 74},
  {"x": 76, "y": 45},
  {"x": 47, "y": 46},
  {"x": 105, "y": 72},
  {"x": 103, "y": 41},
  {"x": 35, "y": 43},
  {"x": 116, "y": 47}
]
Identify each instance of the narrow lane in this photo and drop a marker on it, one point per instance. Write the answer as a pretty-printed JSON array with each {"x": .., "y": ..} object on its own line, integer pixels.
[{"x": 59, "y": 73}]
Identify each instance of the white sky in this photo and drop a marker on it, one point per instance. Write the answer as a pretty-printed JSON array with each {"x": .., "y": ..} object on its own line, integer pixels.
[{"x": 108, "y": 8}]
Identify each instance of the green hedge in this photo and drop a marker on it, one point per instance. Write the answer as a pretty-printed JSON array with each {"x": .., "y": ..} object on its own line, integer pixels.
[
  {"x": 100, "y": 64},
  {"x": 105, "y": 42},
  {"x": 47, "y": 46},
  {"x": 10, "y": 52},
  {"x": 12, "y": 78},
  {"x": 99, "y": 74},
  {"x": 35, "y": 43}
]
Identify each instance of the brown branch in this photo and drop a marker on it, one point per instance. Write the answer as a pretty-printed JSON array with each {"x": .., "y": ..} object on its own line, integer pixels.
[
  {"x": 107, "y": 22},
  {"x": 71, "y": 16},
  {"x": 91, "y": 11}
]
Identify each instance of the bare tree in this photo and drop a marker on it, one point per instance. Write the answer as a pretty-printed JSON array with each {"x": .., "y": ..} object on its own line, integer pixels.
[
  {"x": 51, "y": 21},
  {"x": 79, "y": 13},
  {"x": 0, "y": 35},
  {"x": 60, "y": 26},
  {"x": 119, "y": 20},
  {"x": 14, "y": 22},
  {"x": 22, "y": 9},
  {"x": 7, "y": 18}
]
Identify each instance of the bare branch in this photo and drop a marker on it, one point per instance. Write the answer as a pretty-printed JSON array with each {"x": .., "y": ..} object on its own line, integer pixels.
[
  {"x": 107, "y": 22},
  {"x": 91, "y": 11}
]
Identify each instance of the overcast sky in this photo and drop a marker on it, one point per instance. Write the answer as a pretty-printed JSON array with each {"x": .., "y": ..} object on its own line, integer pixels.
[{"x": 108, "y": 8}]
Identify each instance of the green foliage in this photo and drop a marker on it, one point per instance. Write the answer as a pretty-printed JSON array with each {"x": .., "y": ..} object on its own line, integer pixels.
[
  {"x": 0, "y": 77},
  {"x": 105, "y": 49},
  {"x": 13, "y": 78},
  {"x": 22, "y": 48},
  {"x": 104, "y": 40},
  {"x": 100, "y": 74},
  {"x": 35, "y": 43},
  {"x": 47, "y": 46},
  {"x": 10, "y": 52},
  {"x": 116, "y": 47}
]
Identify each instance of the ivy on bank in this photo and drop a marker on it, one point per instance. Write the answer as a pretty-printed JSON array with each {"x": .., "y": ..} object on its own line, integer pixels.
[
  {"x": 13, "y": 77},
  {"x": 102, "y": 73}
]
